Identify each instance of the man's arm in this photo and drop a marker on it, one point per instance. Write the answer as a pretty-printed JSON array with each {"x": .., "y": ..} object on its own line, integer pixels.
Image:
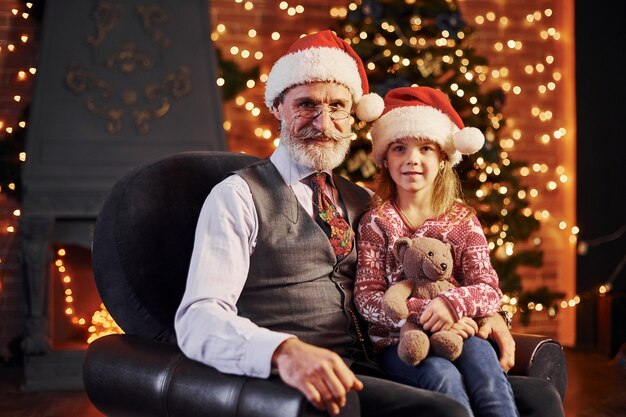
[
  {"x": 496, "y": 329},
  {"x": 208, "y": 328}
]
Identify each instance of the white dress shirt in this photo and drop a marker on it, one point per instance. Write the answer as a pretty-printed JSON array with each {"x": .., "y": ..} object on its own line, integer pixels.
[{"x": 207, "y": 326}]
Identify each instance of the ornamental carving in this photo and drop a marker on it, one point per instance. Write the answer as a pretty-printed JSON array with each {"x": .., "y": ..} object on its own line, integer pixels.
[
  {"x": 153, "y": 17},
  {"x": 125, "y": 85},
  {"x": 106, "y": 16},
  {"x": 130, "y": 58},
  {"x": 151, "y": 102}
]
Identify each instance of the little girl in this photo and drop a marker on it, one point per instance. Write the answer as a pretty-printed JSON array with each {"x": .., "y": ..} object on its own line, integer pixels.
[{"x": 417, "y": 142}]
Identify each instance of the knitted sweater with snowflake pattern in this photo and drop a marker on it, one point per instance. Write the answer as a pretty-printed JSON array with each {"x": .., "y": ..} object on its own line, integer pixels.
[{"x": 476, "y": 293}]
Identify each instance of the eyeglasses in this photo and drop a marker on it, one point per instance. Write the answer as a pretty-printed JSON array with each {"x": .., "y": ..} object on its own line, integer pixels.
[{"x": 313, "y": 112}]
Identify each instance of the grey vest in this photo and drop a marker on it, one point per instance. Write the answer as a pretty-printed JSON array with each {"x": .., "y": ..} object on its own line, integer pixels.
[{"x": 295, "y": 284}]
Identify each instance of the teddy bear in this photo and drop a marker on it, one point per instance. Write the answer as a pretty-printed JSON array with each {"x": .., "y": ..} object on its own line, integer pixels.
[{"x": 427, "y": 264}]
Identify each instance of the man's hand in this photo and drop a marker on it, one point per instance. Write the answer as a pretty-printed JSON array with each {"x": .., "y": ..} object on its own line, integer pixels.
[
  {"x": 318, "y": 373},
  {"x": 495, "y": 328}
]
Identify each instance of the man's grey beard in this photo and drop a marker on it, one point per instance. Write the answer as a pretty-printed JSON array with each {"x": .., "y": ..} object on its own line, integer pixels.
[{"x": 313, "y": 156}]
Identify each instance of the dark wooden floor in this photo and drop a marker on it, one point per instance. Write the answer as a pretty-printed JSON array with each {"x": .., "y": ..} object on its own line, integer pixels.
[
  {"x": 596, "y": 385},
  {"x": 597, "y": 388}
]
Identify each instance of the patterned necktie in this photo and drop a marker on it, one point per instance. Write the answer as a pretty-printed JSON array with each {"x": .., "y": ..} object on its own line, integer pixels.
[{"x": 341, "y": 234}]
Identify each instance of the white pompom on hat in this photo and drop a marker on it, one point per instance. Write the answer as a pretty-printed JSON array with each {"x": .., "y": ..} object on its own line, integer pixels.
[
  {"x": 323, "y": 56},
  {"x": 424, "y": 113}
]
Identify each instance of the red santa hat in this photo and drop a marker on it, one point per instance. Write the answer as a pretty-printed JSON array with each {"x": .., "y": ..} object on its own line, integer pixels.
[
  {"x": 425, "y": 113},
  {"x": 323, "y": 56}
]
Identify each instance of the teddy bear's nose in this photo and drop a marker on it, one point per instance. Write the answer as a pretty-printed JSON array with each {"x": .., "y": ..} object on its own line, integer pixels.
[{"x": 444, "y": 266}]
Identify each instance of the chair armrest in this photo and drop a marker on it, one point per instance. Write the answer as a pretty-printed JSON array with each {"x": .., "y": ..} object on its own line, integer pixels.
[
  {"x": 540, "y": 357},
  {"x": 134, "y": 376}
]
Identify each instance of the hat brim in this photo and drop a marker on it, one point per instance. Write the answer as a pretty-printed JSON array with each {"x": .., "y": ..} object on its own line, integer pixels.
[
  {"x": 313, "y": 65},
  {"x": 423, "y": 122}
]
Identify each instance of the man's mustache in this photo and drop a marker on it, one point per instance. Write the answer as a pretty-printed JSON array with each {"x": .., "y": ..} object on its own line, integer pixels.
[{"x": 311, "y": 133}]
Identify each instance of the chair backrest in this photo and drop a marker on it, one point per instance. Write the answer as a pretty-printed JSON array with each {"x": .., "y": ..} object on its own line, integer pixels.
[{"x": 144, "y": 235}]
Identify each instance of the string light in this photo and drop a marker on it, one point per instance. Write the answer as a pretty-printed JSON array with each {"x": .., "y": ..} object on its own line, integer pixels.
[
  {"x": 585, "y": 245},
  {"x": 23, "y": 41},
  {"x": 101, "y": 322},
  {"x": 66, "y": 279},
  {"x": 20, "y": 47},
  {"x": 546, "y": 77}
]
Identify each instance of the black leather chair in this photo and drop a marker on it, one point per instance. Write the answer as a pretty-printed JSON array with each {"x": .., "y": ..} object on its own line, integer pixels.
[{"x": 142, "y": 246}]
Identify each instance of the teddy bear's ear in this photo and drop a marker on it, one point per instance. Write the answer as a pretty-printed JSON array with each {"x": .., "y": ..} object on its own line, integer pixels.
[
  {"x": 449, "y": 245},
  {"x": 400, "y": 246}
]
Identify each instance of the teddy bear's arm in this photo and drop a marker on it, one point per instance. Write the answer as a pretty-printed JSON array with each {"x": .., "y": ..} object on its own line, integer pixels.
[
  {"x": 428, "y": 289},
  {"x": 394, "y": 300}
]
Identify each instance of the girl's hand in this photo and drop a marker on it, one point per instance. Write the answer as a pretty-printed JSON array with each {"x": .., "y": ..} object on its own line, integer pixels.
[
  {"x": 465, "y": 327},
  {"x": 437, "y": 316}
]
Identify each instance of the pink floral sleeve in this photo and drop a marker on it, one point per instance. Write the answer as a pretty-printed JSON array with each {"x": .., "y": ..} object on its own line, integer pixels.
[
  {"x": 370, "y": 282},
  {"x": 479, "y": 294}
]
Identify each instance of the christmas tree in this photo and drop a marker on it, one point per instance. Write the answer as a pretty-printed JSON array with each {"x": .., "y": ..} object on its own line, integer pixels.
[{"x": 428, "y": 43}]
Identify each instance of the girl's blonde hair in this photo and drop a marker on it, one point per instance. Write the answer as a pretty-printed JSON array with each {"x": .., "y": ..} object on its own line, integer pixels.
[{"x": 446, "y": 189}]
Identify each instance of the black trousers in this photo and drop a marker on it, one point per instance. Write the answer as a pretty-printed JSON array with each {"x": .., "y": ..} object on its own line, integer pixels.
[{"x": 383, "y": 398}]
